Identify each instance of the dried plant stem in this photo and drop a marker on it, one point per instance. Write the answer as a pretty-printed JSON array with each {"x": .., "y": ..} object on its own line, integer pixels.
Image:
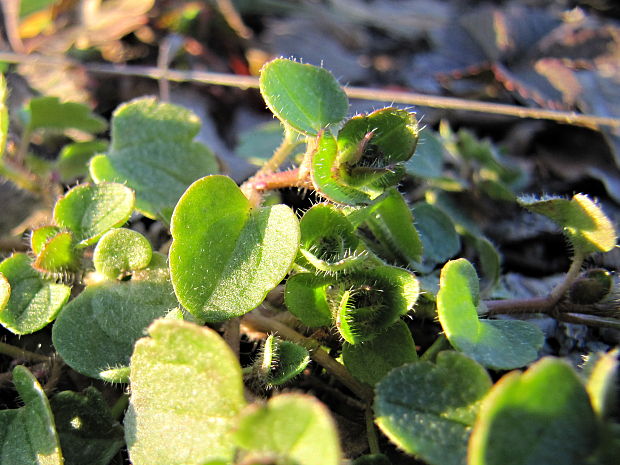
[
  {"x": 410, "y": 98},
  {"x": 262, "y": 323},
  {"x": 16, "y": 352},
  {"x": 233, "y": 18}
]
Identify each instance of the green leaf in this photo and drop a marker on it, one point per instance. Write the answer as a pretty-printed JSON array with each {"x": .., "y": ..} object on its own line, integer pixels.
[
  {"x": 366, "y": 158},
  {"x": 186, "y": 393},
  {"x": 440, "y": 240},
  {"x": 4, "y": 115},
  {"x": 428, "y": 410},
  {"x": 391, "y": 223},
  {"x": 289, "y": 428},
  {"x": 40, "y": 236},
  {"x": 305, "y": 97},
  {"x": 366, "y": 302},
  {"x": 97, "y": 330},
  {"x": 602, "y": 383},
  {"x": 73, "y": 159},
  {"x": 121, "y": 250},
  {"x": 225, "y": 256},
  {"x": 582, "y": 220},
  {"x": 89, "y": 210},
  {"x": 153, "y": 152},
  {"x": 328, "y": 242},
  {"x": 34, "y": 302},
  {"x": 371, "y": 360},
  {"x": 280, "y": 361},
  {"x": 540, "y": 416},
  {"x": 498, "y": 344},
  {"x": 58, "y": 254},
  {"x": 88, "y": 433},
  {"x": 305, "y": 296},
  {"x": 28, "y": 435},
  {"x": 51, "y": 113}
]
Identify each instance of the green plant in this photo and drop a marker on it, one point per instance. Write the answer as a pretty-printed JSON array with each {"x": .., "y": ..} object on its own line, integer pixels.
[{"x": 353, "y": 271}]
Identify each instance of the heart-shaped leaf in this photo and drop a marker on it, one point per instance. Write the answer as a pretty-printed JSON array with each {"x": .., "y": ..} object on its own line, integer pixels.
[
  {"x": 153, "y": 152},
  {"x": 499, "y": 344},
  {"x": 88, "y": 432},
  {"x": 305, "y": 97},
  {"x": 186, "y": 391},
  {"x": 96, "y": 331},
  {"x": 27, "y": 434},
  {"x": 541, "y": 416},
  {"x": 51, "y": 113},
  {"x": 428, "y": 410},
  {"x": 289, "y": 427},
  {"x": 582, "y": 220},
  {"x": 121, "y": 250},
  {"x": 34, "y": 302},
  {"x": 371, "y": 360},
  {"x": 89, "y": 210},
  {"x": 225, "y": 256}
]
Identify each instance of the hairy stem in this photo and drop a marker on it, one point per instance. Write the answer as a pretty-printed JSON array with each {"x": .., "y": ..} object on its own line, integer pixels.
[
  {"x": 260, "y": 322},
  {"x": 16, "y": 352}
]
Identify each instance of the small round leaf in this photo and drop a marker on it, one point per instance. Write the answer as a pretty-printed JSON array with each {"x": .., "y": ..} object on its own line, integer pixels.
[{"x": 121, "y": 250}]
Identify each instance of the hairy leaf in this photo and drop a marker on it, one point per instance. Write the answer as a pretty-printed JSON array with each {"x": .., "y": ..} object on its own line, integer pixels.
[
  {"x": 58, "y": 254},
  {"x": 121, "y": 250},
  {"x": 541, "y": 416},
  {"x": 225, "y": 257},
  {"x": 34, "y": 302},
  {"x": 428, "y": 409},
  {"x": 97, "y": 330},
  {"x": 305, "y": 97},
  {"x": 153, "y": 152},
  {"x": 40, "y": 236},
  {"x": 89, "y": 210},
  {"x": 582, "y": 220},
  {"x": 290, "y": 427},
  {"x": 280, "y": 361},
  {"x": 440, "y": 240},
  {"x": 186, "y": 392},
  {"x": 27, "y": 434},
  {"x": 500, "y": 344},
  {"x": 370, "y": 361}
]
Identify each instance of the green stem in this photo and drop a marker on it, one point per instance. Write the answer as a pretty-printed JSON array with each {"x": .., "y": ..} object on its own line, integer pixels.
[
  {"x": 573, "y": 273},
  {"x": 20, "y": 177},
  {"x": 371, "y": 432},
  {"x": 280, "y": 155},
  {"x": 338, "y": 371},
  {"x": 22, "y": 151},
  {"x": 119, "y": 407},
  {"x": 441, "y": 343},
  {"x": 22, "y": 354}
]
